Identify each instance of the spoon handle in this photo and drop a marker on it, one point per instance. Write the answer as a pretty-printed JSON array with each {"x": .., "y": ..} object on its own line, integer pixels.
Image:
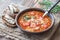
[{"x": 53, "y": 6}]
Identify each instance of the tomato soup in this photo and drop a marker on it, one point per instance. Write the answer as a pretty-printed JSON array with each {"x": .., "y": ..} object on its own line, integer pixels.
[{"x": 32, "y": 21}]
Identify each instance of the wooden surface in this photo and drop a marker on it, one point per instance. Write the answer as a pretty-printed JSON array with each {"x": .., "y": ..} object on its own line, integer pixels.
[{"x": 7, "y": 33}]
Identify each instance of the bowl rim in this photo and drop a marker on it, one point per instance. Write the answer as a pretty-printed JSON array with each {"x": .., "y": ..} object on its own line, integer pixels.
[{"x": 37, "y": 9}]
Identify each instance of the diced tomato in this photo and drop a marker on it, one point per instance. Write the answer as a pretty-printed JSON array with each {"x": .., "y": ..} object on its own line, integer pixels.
[
  {"x": 45, "y": 26},
  {"x": 21, "y": 22},
  {"x": 32, "y": 25},
  {"x": 40, "y": 18},
  {"x": 48, "y": 24},
  {"x": 24, "y": 23},
  {"x": 27, "y": 23},
  {"x": 37, "y": 24},
  {"x": 32, "y": 13}
]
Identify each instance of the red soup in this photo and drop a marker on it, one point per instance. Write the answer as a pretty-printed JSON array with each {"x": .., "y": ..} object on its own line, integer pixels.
[{"x": 32, "y": 21}]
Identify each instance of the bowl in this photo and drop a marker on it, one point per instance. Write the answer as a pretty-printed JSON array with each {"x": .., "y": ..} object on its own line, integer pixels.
[{"x": 34, "y": 9}]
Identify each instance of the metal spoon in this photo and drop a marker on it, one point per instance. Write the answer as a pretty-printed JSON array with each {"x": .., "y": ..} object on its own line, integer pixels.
[{"x": 51, "y": 8}]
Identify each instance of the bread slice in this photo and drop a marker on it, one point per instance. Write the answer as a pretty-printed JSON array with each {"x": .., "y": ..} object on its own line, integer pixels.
[{"x": 7, "y": 22}]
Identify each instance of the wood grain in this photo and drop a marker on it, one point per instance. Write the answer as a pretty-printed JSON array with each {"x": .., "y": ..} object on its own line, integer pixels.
[{"x": 15, "y": 33}]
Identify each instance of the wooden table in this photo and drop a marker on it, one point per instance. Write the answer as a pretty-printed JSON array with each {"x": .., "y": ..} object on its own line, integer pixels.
[{"x": 7, "y": 33}]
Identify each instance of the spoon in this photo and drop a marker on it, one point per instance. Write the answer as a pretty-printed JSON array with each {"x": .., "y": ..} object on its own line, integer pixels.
[{"x": 51, "y": 8}]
